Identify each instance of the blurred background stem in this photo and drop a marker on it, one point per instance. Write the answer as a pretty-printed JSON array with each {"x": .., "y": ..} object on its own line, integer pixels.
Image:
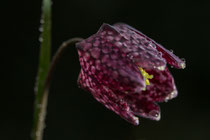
[
  {"x": 41, "y": 94},
  {"x": 45, "y": 71}
]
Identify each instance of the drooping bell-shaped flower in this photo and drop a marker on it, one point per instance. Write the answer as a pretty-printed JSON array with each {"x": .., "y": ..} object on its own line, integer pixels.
[{"x": 126, "y": 71}]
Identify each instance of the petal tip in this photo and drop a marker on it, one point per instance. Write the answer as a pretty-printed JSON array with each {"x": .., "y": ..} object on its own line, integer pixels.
[
  {"x": 183, "y": 65},
  {"x": 136, "y": 121},
  {"x": 172, "y": 95},
  {"x": 158, "y": 117},
  {"x": 155, "y": 115}
]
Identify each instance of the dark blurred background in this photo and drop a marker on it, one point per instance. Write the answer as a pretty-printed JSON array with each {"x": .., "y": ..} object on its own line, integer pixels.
[{"x": 73, "y": 113}]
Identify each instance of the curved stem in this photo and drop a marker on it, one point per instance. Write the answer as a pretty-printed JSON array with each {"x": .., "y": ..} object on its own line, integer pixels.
[
  {"x": 56, "y": 58},
  {"x": 40, "y": 111}
]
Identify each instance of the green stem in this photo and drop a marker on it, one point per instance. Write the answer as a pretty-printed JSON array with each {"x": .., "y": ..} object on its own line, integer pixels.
[
  {"x": 40, "y": 112},
  {"x": 44, "y": 63}
]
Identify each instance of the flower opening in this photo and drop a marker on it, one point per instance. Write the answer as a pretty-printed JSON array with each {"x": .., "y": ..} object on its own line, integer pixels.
[{"x": 145, "y": 75}]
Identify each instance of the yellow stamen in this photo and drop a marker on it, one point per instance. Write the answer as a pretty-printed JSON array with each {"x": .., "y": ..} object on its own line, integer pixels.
[{"x": 145, "y": 75}]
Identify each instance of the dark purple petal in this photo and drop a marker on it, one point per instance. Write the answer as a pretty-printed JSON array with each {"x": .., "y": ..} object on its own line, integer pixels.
[
  {"x": 126, "y": 71},
  {"x": 106, "y": 96},
  {"x": 169, "y": 56},
  {"x": 106, "y": 62},
  {"x": 140, "y": 50},
  {"x": 145, "y": 108},
  {"x": 162, "y": 86},
  {"x": 131, "y": 45}
]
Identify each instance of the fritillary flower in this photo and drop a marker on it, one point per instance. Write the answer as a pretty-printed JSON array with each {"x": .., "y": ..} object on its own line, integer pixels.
[{"x": 126, "y": 71}]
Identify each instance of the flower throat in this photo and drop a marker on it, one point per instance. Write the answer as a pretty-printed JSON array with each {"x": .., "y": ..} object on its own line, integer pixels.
[{"x": 146, "y": 76}]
